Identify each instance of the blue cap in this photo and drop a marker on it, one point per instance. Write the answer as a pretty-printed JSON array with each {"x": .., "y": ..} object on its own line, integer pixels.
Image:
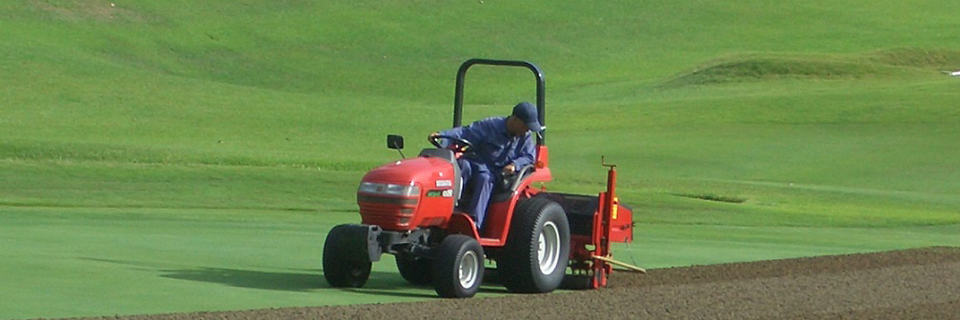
[{"x": 528, "y": 113}]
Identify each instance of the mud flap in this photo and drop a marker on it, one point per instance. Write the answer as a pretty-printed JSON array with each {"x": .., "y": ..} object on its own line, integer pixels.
[{"x": 364, "y": 240}]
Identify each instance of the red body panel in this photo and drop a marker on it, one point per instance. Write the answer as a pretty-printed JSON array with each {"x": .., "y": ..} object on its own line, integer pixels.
[
  {"x": 461, "y": 223},
  {"x": 432, "y": 207}
]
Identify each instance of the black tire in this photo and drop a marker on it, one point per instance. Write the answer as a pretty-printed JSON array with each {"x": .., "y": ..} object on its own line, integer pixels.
[
  {"x": 525, "y": 266},
  {"x": 417, "y": 270},
  {"x": 458, "y": 269},
  {"x": 344, "y": 266}
]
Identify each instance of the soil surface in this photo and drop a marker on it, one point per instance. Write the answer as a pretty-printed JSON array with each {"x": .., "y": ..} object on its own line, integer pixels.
[{"x": 908, "y": 284}]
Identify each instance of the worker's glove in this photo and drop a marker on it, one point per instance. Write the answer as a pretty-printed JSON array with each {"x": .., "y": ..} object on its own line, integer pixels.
[{"x": 509, "y": 170}]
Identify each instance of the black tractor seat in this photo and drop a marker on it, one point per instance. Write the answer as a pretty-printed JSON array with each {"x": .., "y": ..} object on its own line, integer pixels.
[{"x": 508, "y": 184}]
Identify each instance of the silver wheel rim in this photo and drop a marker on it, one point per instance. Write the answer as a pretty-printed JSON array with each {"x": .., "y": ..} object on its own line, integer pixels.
[
  {"x": 548, "y": 248},
  {"x": 469, "y": 269}
]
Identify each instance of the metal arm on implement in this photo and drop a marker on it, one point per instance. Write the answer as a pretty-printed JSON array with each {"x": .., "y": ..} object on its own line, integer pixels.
[{"x": 611, "y": 222}]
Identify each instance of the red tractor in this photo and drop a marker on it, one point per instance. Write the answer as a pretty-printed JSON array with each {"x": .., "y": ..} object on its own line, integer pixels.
[{"x": 409, "y": 208}]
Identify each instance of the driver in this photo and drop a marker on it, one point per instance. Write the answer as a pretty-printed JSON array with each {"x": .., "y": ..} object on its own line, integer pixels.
[{"x": 500, "y": 144}]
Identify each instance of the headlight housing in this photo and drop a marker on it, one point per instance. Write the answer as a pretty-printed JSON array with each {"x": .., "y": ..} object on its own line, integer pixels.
[{"x": 389, "y": 189}]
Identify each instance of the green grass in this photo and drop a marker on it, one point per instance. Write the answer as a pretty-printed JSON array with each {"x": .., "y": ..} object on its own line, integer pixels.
[
  {"x": 184, "y": 156},
  {"x": 120, "y": 261}
]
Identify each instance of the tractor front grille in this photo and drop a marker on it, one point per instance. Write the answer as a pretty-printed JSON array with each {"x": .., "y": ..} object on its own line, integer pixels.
[{"x": 389, "y": 213}]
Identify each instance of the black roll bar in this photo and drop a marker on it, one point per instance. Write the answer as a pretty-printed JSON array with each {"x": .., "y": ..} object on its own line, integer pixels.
[{"x": 541, "y": 87}]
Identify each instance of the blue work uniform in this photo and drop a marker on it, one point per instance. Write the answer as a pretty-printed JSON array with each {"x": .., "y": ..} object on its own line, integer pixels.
[{"x": 494, "y": 148}]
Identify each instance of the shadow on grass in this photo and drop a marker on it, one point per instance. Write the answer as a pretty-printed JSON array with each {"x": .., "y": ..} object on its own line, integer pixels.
[
  {"x": 281, "y": 281},
  {"x": 380, "y": 283},
  {"x": 295, "y": 280}
]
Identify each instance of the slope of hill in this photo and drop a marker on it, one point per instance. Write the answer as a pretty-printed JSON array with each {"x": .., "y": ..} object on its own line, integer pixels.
[{"x": 140, "y": 137}]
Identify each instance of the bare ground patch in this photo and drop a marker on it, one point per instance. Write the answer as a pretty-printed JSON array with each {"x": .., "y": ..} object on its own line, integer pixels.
[{"x": 907, "y": 284}]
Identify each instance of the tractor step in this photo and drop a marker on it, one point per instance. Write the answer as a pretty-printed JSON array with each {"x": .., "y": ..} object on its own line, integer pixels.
[{"x": 491, "y": 242}]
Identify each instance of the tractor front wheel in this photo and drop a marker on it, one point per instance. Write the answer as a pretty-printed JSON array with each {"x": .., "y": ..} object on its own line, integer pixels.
[
  {"x": 345, "y": 265},
  {"x": 458, "y": 269}
]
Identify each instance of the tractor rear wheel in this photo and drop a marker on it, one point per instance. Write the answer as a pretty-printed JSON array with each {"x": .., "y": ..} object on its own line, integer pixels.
[
  {"x": 344, "y": 264},
  {"x": 538, "y": 248},
  {"x": 458, "y": 269},
  {"x": 415, "y": 269}
]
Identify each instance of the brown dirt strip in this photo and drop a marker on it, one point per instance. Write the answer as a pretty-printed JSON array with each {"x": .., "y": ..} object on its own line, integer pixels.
[{"x": 908, "y": 284}]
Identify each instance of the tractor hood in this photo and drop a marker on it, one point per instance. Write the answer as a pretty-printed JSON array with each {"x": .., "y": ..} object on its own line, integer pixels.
[
  {"x": 427, "y": 172},
  {"x": 407, "y": 194}
]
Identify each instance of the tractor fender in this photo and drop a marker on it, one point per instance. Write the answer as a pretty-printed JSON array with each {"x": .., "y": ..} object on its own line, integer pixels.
[{"x": 462, "y": 224}]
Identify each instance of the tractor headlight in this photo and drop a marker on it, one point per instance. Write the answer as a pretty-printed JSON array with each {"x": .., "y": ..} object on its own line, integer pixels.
[
  {"x": 389, "y": 189},
  {"x": 368, "y": 187}
]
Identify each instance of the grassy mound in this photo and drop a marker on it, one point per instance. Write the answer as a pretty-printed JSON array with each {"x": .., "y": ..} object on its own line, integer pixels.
[{"x": 889, "y": 64}]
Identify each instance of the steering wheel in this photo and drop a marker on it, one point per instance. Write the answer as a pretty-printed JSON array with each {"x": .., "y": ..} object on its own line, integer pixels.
[{"x": 460, "y": 145}]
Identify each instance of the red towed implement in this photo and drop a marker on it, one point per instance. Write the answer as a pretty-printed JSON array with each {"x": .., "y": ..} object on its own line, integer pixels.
[{"x": 408, "y": 208}]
